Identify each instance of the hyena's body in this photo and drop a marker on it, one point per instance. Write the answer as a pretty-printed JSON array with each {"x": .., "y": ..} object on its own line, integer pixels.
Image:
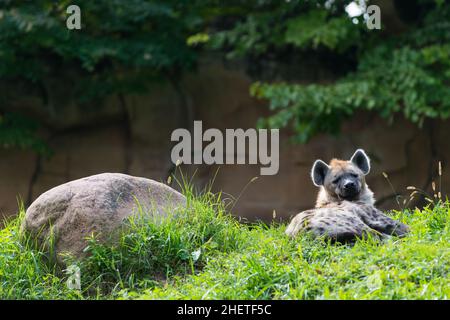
[{"x": 345, "y": 206}]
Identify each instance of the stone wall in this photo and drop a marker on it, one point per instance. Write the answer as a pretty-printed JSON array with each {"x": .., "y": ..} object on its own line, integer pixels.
[{"x": 131, "y": 134}]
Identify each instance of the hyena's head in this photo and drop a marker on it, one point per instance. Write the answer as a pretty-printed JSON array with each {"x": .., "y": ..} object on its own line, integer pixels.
[{"x": 343, "y": 180}]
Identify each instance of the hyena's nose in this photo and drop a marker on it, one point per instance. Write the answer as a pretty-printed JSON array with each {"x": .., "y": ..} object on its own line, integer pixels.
[{"x": 350, "y": 185}]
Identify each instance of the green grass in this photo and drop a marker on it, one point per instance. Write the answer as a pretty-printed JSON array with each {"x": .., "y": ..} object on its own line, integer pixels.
[{"x": 204, "y": 253}]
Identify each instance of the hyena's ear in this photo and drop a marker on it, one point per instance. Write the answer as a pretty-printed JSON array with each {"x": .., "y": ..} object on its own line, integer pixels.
[
  {"x": 361, "y": 160},
  {"x": 318, "y": 172}
]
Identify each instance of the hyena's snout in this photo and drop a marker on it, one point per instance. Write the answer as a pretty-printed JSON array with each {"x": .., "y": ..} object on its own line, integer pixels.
[{"x": 350, "y": 187}]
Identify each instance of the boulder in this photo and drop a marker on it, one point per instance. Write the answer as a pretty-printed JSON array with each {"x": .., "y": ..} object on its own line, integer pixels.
[{"x": 99, "y": 205}]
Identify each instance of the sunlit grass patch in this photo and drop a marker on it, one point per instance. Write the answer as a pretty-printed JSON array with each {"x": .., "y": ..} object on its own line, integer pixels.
[{"x": 203, "y": 253}]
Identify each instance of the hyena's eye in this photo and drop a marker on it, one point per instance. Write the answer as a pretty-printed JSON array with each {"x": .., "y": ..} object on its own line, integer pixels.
[
  {"x": 353, "y": 175},
  {"x": 335, "y": 181}
]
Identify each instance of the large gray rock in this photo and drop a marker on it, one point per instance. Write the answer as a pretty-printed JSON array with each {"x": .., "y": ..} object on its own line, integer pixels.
[{"x": 98, "y": 204}]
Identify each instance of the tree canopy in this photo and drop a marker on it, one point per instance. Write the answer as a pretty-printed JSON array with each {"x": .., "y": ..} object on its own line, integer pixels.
[{"x": 404, "y": 68}]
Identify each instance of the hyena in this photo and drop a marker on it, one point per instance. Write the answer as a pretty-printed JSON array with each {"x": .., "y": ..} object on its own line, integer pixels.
[{"x": 345, "y": 205}]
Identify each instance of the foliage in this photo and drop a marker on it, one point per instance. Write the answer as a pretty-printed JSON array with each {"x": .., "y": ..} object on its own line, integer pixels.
[
  {"x": 387, "y": 81},
  {"x": 19, "y": 131},
  {"x": 116, "y": 34},
  {"x": 316, "y": 28},
  {"x": 406, "y": 74},
  {"x": 123, "y": 45},
  {"x": 206, "y": 254},
  {"x": 265, "y": 27}
]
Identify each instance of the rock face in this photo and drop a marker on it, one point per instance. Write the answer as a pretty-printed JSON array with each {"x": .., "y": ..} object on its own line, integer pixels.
[
  {"x": 132, "y": 135},
  {"x": 97, "y": 204}
]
